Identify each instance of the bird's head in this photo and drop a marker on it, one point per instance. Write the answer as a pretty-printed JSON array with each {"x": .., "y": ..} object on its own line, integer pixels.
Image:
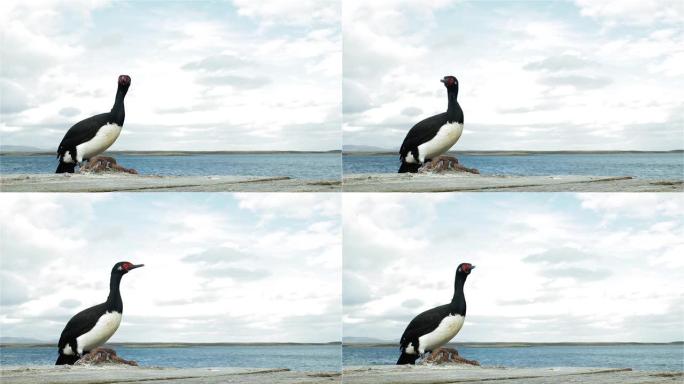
[
  {"x": 450, "y": 82},
  {"x": 464, "y": 269},
  {"x": 124, "y": 267},
  {"x": 124, "y": 81}
]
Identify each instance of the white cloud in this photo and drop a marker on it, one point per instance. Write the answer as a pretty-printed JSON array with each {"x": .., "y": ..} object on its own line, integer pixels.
[
  {"x": 543, "y": 265},
  {"x": 536, "y": 78},
  {"x": 276, "y": 94},
  {"x": 212, "y": 273},
  {"x": 637, "y": 12}
]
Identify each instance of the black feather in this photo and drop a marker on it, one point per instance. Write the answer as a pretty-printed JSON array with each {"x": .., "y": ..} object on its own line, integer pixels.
[
  {"x": 424, "y": 131},
  {"x": 81, "y": 323},
  {"x": 81, "y": 132}
]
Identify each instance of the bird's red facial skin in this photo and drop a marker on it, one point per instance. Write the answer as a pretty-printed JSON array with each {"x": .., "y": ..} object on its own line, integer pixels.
[
  {"x": 466, "y": 268},
  {"x": 126, "y": 266}
]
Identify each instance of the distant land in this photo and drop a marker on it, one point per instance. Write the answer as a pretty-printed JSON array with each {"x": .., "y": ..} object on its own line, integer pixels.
[
  {"x": 19, "y": 340},
  {"x": 385, "y": 152},
  {"x": 20, "y": 148},
  {"x": 17, "y": 151},
  {"x": 26, "y": 342},
  {"x": 352, "y": 342}
]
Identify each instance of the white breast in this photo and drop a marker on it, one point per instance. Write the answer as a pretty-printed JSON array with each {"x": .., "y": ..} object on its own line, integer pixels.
[
  {"x": 105, "y": 137},
  {"x": 445, "y": 138},
  {"x": 101, "y": 332},
  {"x": 447, "y": 329}
]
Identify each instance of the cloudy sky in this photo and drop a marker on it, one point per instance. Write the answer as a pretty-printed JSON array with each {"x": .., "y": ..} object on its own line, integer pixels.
[
  {"x": 550, "y": 267},
  {"x": 533, "y": 75},
  {"x": 218, "y": 267},
  {"x": 222, "y": 75}
]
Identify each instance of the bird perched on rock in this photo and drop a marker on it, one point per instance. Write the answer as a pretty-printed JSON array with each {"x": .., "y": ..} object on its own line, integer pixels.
[
  {"x": 435, "y": 327},
  {"x": 428, "y": 140},
  {"x": 92, "y": 327},
  {"x": 93, "y": 135}
]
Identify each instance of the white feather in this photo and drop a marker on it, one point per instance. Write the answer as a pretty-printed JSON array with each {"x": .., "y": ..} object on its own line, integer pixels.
[
  {"x": 445, "y": 138},
  {"x": 100, "y": 333},
  {"x": 445, "y": 331},
  {"x": 104, "y": 138}
]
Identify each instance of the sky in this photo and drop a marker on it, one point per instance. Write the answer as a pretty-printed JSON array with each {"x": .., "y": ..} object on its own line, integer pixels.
[
  {"x": 549, "y": 267},
  {"x": 533, "y": 75},
  {"x": 218, "y": 267},
  {"x": 219, "y": 75}
]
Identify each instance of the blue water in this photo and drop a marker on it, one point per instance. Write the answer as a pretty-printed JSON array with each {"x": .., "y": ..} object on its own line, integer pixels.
[
  {"x": 638, "y": 357},
  {"x": 296, "y": 165},
  {"x": 640, "y": 165},
  {"x": 294, "y": 357}
]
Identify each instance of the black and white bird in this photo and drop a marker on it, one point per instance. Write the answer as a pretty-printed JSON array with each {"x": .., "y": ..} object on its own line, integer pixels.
[
  {"x": 435, "y": 327},
  {"x": 433, "y": 136},
  {"x": 94, "y": 135},
  {"x": 92, "y": 327}
]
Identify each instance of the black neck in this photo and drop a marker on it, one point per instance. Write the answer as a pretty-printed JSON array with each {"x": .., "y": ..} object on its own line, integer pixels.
[
  {"x": 454, "y": 111},
  {"x": 114, "y": 302},
  {"x": 118, "y": 113},
  {"x": 458, "y": 303}
]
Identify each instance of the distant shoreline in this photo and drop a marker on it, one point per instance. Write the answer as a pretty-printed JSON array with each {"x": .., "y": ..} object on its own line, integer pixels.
[
  {"x": 173, "y": 345},
  {"x": 515, "y": 344},
  {"x": 515, "y": 153},
  {"x": 348, "y": 153},
  {"x": 173, "y": 153}
]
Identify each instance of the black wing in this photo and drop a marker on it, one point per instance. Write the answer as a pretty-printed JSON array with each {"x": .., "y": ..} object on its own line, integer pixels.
[
  {"x": 424, "y": 323},
  {"x": 81, "y": 323},
  {"x": 422, "y": 132},
  {"x": 82, "y": 131}
]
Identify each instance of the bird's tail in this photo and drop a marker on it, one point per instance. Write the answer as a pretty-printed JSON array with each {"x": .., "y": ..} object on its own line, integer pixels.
[
  {"x": 408, "y": 167},
  {"x": 65, "y": 167},
  {"x": 66, "y": 359},
  {"x": 405, "y": 358}
]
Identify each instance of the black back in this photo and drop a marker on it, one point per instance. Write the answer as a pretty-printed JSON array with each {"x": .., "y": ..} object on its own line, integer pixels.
[
  {"x": 424, "y": 131},
  {"x": 81, "y": 323},
  {"x": 86, "y": 129},
  {"x": 429, "y": 320},
  {"x": 425, "y": 322},
  {"x": 81, "y": 132}
]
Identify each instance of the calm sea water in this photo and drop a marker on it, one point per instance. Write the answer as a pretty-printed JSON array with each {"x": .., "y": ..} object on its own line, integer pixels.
[
  {"x": 295, "y": 165},
  {"x": 639, "y": 357},
  {"x": 641, "y": 165},
  {"x": 295, "y": 357}
]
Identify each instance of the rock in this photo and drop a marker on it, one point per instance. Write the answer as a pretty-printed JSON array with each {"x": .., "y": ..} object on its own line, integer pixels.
[
  {"x": 101, "y": 355},
  {"x": 99, "y": 164},
  {"x": 446, "y": 356},
  {"x": 442, "y": 164}
]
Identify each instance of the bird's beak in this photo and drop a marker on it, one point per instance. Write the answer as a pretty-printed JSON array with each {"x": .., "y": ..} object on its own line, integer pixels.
[
  {"x": 472, "y": 267},
  {"x": 441, "y": 80},
  {"x": 134, "y": 266}
]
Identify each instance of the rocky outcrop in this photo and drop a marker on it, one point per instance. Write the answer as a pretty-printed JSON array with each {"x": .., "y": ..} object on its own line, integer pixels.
[
  {"x": 99, "y": 164},
  {"x": 446, "y": 356},
  {"x": 442, "y": 164},
  {"x": 99, "y": 356}
]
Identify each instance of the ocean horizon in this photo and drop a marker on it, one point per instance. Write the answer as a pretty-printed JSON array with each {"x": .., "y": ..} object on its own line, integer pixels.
[
  {"x": 297, "y": 357},
  {"x": 644, "y": 357},
  {"x": 297, "y": 165},
  {"x": 644, "y": 165}
]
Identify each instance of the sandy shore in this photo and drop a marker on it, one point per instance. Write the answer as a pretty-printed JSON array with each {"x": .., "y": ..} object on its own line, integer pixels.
[
  {"x": 395, "y": 182},
  {"x": 126, "y": 374},
  {"x": 443, "y": 374},
  {"x": 383, "y": 374},
  {"x": 121, "y": 182}
]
